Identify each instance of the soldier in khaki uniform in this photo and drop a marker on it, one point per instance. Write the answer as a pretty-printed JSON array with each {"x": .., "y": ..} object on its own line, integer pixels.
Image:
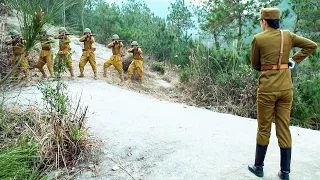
[
  {"x": 115, "y": 59},
  {"x": 17, "y": 44},
  {"x": 64, "y": 48},
  {"x": 136, "y": 64},
  {"x": 270, "y": 55},
  {"x": 88, "y": 53},
  {"x": 46, "y": 56}
]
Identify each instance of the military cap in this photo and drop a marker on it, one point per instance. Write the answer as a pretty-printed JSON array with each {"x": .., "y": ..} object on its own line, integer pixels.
[
  {"x": 62, "y": 30},
  {"x": 115, "y": 36},
  {"x": 87, "y": 30},
  {"x": 14, "y": 32},
  {"x": 134, "y": 43},
  {"x": 42, "y": 31},
  {"x": 270, "y": 13}
]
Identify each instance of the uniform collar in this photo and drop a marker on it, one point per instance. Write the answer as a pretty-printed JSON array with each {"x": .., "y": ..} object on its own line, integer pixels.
[{"x": 271, "y": 29}]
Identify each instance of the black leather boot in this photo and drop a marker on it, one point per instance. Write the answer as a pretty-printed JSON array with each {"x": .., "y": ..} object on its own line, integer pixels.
[
  {"x": 285, "y": 163},
  {"x": 257, "y": 168}
]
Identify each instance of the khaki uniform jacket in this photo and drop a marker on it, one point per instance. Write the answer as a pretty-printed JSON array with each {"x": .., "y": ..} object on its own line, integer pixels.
[
  {"x": 88, "y": 43},
  {"x": 18, "y": 48},
  {"x": 116, "y": 48},
  {"x": 46, "y": 42},
  {"x": 64, "y": 44},
  {"x": 137, "y": 55},
  {"x": 265, "y": 50}
]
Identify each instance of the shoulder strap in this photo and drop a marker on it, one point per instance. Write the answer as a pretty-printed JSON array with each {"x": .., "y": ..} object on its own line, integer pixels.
[{"x": 281, "y": 49}]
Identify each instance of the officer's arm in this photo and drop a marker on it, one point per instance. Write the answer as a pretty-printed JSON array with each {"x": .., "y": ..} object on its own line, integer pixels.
[
  {"x": 47, "y": 42},
  {"x": 110, "y": 45},
  {"x": 67, "y": 40},
  {"x": 91, "y": 39},
  {"x": 130, "y": 50},
  {"x": 83, "y": 38},
  {"x": 50, "y": 40},
  {"x": 56, "y": 36},
  {"x": 307, "y": 47},
  {"x": 255, "y": 55},
  {"x": 9, "y": 42},
  {"x": 139, "y": 50}
]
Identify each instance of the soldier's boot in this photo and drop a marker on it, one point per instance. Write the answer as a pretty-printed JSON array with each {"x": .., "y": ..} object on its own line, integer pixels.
[
  {"x": 121, "y": 77},
  {"x": 44, "y": 75},
  {"x": 104, "y": 72},
  {"x": 129, "y": 78},
  {"x": 257, "y": 168},
  {"x": 81, "y": 74},
  {"x": 285, "y": 163},
  {"x": 27, "y": 73},
  {"x": 71, "y": 73},
  {"x": 95, "y": 76},
  {"x": 51, "y": 75}
]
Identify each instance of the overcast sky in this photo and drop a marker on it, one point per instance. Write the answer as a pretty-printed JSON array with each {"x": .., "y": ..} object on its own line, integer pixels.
[{"x": 159, "y": 7}]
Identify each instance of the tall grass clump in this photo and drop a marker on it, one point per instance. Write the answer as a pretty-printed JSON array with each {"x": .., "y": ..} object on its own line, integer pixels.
[
  {"x": 19, "y": 161},
  {"x": 222, "y": 79}
]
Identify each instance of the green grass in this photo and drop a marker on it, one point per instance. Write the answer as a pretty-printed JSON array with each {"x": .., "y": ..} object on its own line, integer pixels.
[{"x": 18, "y": 162}]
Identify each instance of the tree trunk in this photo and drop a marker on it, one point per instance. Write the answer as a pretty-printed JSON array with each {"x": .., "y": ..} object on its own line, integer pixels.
[
  {"x": 216, "y": 41},
  {"x": 48, "y": 5},
  {"x": 82, "y": 13},
  {"x": 239, "y": 32},
  {"x": 64, "y": 15},
  {"x": 295, "y": 30}
]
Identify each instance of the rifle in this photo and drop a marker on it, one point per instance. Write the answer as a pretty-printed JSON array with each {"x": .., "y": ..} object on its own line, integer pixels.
[
  {"x": 118, "y": 41},
  {"x": 17, "y": 40},
  {"x": 90, "y": 35},
  {"x": 46, "y": 35},
  {"x": 61, "y": 36},
  {"x": 136, "y": 48},
  {"x": 65, "y": 34}
]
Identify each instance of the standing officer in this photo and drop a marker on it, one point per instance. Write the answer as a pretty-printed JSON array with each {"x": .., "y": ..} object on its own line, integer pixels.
[
  {"x": 64, "y": 48},
  {"x": 115, "y": 59},
  {"x": 137, "y": 61},
  {"x": 46, "y": 56},
  {"x": 17, "y": 43},
  {"x": 270, "y": 54},
  {"x": 88, "y": 53}
]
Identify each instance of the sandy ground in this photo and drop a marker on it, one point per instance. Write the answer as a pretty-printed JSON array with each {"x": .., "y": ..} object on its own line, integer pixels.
[{"x": 157, "y": 139}]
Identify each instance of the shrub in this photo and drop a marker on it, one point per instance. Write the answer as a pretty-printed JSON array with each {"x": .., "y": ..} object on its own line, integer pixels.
[
  {"x": 186, "y": 75},
  {"x": 306, "y": 104},
  {"x": 223, "y": 80},
  {"x": 158, "y": 66}
]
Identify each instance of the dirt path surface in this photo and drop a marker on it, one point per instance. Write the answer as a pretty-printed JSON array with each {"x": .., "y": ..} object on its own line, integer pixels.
[
  {"x": 156, "y": 139},
  {"x": 160, "y": 140}
]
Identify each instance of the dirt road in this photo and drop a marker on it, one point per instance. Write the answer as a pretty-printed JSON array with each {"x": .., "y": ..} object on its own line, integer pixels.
[{"x": 156, "y": 139}]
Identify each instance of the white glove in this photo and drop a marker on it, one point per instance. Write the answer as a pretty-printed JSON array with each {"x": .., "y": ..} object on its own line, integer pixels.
[{"x": 291, "y": 63}]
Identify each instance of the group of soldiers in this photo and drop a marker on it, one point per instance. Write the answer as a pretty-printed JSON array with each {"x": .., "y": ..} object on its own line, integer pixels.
[{"x": 64, "y": 53}]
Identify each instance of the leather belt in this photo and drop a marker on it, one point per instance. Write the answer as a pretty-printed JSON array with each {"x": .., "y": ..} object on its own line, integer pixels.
[
  {"x": 92, "y": 49},
  {"x": 274, "y": 66},
  {"x": 46, "y": 48}
]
